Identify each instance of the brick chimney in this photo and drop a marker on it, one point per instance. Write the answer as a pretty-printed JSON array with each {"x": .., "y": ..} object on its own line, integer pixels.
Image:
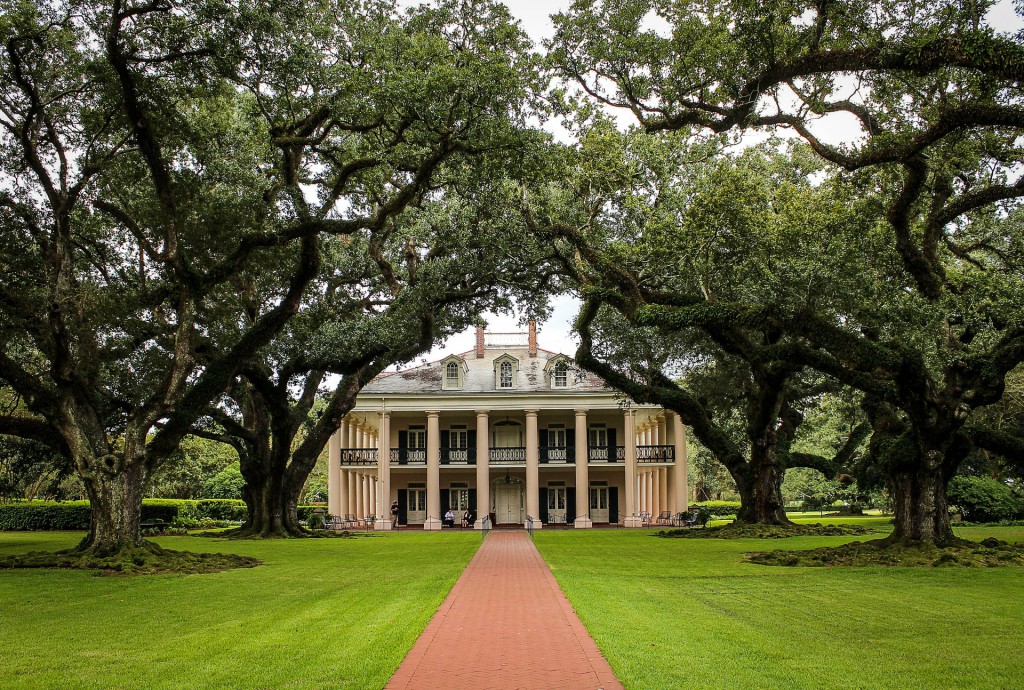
[
  {"x": 533, "y": 338},
  {"x": 479, "y": 342}
]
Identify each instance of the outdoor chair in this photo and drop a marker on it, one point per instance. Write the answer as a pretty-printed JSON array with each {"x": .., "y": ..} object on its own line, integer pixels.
[
  {"x": 665, "y": 518},
  {"x": 349, "y": 521}
]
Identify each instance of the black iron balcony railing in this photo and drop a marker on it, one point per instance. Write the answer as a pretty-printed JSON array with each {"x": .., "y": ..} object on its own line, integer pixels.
[
  {"x": 458, "y": 456},
  {"x": 557, "y": 454},
  {"x": 606, "y": 453},
  {"x": 358, "y": 456},
  {"x": 551, "y": 455},
  {"x": 408, "y": 456},
  {"x": 507, "y": 456},
  {"x": 655, "y": 454}
]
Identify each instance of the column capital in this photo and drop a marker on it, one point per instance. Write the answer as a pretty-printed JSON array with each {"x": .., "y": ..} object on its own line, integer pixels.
[
  {"x": 433, "y": 413},
  {"x": 482, "y": 413},
  {"x": 581, "y": 411},
  {"x": 531, "y": 413},
  {"x": 385, "y": 414}
]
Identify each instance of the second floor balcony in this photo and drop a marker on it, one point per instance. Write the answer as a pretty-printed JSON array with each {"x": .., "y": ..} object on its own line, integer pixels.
[{"x": 548, "y": 455}]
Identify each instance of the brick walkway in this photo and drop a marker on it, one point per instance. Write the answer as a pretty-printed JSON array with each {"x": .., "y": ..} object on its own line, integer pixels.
[{"x": 505, "y": 625}]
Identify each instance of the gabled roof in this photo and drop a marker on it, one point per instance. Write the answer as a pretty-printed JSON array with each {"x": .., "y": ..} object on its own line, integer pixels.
[{"x": 532, "y": 376}]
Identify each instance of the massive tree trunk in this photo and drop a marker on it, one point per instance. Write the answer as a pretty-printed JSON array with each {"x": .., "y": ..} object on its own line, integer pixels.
[
  {"x": 919, "y": 460},
  {"x": 272, "y": 505},
  {"x": 115, "y": 500},
  {"x": 760, "y": 491},
  {"x": 921, "y": 509}
]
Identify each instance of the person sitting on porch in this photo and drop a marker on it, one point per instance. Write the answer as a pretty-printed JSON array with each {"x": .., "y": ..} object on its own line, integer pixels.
[
  {"x": 467, "y": 518},
  {"x": 449, "y": 518}
]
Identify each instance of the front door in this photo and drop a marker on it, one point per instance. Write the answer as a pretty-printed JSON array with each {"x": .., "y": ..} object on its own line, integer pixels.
[
  {"x": 508, "y": 504},
  {"x": 507, "y": 436},
  {"x": 599, "y": 503},
  {"x": 417, "y": 506}
]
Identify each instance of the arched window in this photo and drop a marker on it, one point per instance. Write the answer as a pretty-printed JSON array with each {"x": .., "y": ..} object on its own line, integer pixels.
[
  {"x": 451, "y": 374},
  {"x": 505, "y": 375},
  {"x": 560, "y": 378}
]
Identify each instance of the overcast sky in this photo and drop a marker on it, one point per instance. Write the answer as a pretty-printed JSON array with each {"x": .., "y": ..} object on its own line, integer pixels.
[{"x": 554, "y": 334}]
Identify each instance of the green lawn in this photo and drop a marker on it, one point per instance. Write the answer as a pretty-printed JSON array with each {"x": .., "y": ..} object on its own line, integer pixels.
[
  {"x": 677, "y": 613},
  {"x": 685, "y": 613},
  {"x": 321, "y": 613}
]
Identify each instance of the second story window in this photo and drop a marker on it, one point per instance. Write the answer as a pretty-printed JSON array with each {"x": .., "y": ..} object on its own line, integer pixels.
[
  {"x": 505, "y": 375},
  {"x": 451, "y": 375}
]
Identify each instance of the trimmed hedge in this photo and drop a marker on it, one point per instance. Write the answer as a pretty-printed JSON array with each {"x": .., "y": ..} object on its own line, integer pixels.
[
  {"x": 74, "y": 515},
  {"x": 719, "y": 508}
]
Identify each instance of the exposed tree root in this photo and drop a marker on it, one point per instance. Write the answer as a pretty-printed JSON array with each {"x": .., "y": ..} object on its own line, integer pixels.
[
  {"x": 146, "y": 559},
  {"x": 744, "y": 530},
  {"x": 882, "y": 552}
]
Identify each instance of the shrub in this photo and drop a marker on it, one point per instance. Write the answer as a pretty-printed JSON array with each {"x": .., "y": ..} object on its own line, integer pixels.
[
  {"x": 74, "y": 515},
  {"x": 983, "y": 499},
  {"x": 45, "y": 515},
  {"x": 223, "y": 509},
  {"x": 305, "y": 512},
  {"x": 718, "y": 509}
]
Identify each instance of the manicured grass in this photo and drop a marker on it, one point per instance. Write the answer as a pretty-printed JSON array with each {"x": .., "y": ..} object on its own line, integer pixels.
[
  {"x": 320, "y": 613},
  {"x": 685, "y": 613}
]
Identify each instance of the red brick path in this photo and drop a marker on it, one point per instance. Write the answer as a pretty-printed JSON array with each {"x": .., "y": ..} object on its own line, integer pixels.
[{"x": 505, "y": 625}]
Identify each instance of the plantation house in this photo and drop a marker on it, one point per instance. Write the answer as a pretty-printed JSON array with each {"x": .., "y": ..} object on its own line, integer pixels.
[{"x": 507, "y": 430}]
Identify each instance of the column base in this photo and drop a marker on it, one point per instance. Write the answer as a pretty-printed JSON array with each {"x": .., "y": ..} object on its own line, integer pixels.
[
  {"x": 633, "y": 521},
  {"x": 583, "y": 522},
  {"x": 479, "y": 524},
  {"x": 537, "y": 524},
  {"x": 432, "y": 525},
  {"x": 382, "y": 524}
]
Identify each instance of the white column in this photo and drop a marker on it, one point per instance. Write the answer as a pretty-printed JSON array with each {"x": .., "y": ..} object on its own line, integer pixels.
[
  {"x": 374, "y": 508},
  {"x": 334, "y": 497},
  {"x": 655, "y": 492},
  {"x": 663, "y": 490},
  {"x": 353, "y": 435},
  {"x": 360, "y": 506},
  {"x": 367, "y": 505},
  {"x": 629, "y": 503},
  {"x": 344, "y": 506},
  {"x": 582, "y": 473},
  {"x": 434, "y": 516},
  {"x": 680, "y": 497},
  {"x": 483, "y": 469},
  {"x": 384, "y": 472},
  {"x": 350, "y": 488},
  {"x": 532, "y": 468}
]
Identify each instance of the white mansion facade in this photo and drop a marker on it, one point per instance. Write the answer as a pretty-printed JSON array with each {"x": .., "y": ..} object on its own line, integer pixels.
[{"x": 509, "y": 431}]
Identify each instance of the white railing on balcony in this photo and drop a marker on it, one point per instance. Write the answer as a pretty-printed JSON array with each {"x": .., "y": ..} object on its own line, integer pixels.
[{"x": 506, "y": 340}]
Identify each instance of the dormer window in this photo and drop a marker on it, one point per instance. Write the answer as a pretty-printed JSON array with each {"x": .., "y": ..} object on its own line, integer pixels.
[
  {"x": 453, "y": 372},
  {"x": 557, "y": 371},
  {"x": 506, "y": 369},
  {"x": 560, "y": 378}
]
